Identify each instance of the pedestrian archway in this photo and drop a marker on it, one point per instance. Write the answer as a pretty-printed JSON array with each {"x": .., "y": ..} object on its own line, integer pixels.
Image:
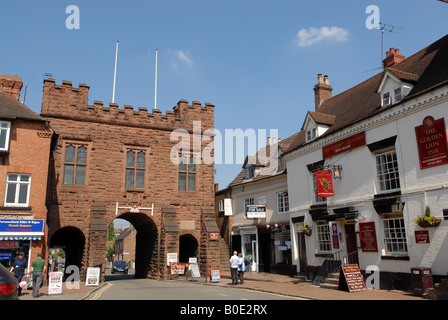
[
  {"x": 145, "y": 242},
  {"x": 188, "y": 247},
  {"x": 73, "y": 241}
]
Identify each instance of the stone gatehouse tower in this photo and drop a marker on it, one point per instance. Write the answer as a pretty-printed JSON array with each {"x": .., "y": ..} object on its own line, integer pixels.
[{"x": 107, "y": 163}]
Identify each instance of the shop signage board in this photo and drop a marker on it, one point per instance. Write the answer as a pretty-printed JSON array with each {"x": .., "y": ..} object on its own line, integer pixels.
[
  {"x": 432, "y": 143},
  {"x": 215, "y": 274},
  {"x": 93, "y": 276},
  {"x": 256, "y": 211},
  {"x": 15, "y": 225},
  {"x": 214, "y": 236},
  {"x": 350, "y": 143},
  {"x": 324, "y": 181},
  {"x": 9, "y": 244},
  {"x": 421, "y": 236},
  {"x": 6, "y": 255},
  {"x": 367, "y": 235},
  {"x": 351, "y": 278},
  {"x": 55, "y": 283}
]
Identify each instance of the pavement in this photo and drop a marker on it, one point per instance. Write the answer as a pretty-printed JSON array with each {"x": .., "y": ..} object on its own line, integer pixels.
[{"x": 264, "y": 282}]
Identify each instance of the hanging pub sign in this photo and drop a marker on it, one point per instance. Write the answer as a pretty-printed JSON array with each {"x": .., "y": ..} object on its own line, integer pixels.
[
  {"x": 432, "y": 143},
  {"x": 324, "y": 181}
]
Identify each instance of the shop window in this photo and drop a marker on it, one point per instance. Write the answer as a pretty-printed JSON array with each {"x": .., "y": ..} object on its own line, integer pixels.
[
  {"x": 282, "y": 202},
  {"x": 323, "y": 237},
  {"x": 395, "y": 236},
  {"x": 5, "y": 130},
  {"x": 281, "y": 248},
  {"x": 17, "y": 189},
  {"x": 75, "y": 163},
  {"x": 187, "y": 174},
  {"x": 387, "y": 171},
  {"x": 135, "y": 169}
]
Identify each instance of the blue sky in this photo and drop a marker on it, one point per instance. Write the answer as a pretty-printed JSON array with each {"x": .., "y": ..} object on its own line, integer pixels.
[{"x": 243, "y": 56}]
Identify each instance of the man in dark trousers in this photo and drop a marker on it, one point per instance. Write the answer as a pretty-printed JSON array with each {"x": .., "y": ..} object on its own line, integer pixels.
[
  {"x": 234, "y": 267},
  {"x": 18, "y": 269}
]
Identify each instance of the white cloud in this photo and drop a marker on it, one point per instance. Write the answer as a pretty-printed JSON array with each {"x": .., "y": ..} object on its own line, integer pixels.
[
  {"x": 308, "y": 37},
  {"x": 179, "y": 57}
]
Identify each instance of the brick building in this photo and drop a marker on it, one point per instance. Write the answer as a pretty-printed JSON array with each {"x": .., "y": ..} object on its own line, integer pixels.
[
  {"x": 112, "y": 163},
  {"x": 25, "y": 140}
]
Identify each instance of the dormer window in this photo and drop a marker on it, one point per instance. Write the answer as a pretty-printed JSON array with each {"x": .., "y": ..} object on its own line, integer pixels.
[
  {"x": 5, "y": 130},
  {"x": 397, "y": 95},
  {"x": 386, "y": 99},
  {"x": 249, "y": 173},
  {"x": 311, "y": 134}
]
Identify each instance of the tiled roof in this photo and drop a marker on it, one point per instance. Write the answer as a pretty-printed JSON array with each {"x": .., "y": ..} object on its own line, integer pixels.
[
  {"x": 426, "y": 70},
  {"x": 11, "y": 109}
]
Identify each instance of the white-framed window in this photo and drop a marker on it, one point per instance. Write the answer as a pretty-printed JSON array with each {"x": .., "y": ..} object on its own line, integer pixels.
[
  {"x": 398, "y": 96},
  {"x": 5, "y": 131},
  {"x": 17, "y": 190},
  {"x": 387, "y": 171},
  {"x": 311, "y": 134},
  {"x": 221, "y": 205},
  {"x": 248, "y": 202},
  {"x": 282, "y": 202},
  {"x": 323, "y": 237},
  {"x": 395, "y": 236},
  {"x": 317, "y": 199},
  {"x": 386, "y": 99}
]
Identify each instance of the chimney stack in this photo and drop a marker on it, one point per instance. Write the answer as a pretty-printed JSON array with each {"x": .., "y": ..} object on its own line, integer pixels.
[
  {"x": 322, "y": 90},
  {"x": 11, "y": 85},
  {"x": 393, "y": 56}
]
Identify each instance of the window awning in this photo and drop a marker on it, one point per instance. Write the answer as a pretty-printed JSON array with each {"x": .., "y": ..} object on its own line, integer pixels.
[{"x": 21, "y": 236}]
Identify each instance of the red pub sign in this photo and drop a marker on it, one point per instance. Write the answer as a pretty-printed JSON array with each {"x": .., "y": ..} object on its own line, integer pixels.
[
  {"x": 343, "y": 145},
  {"x": 324, "y": 181},
  {"x": 432, "y": 143}
]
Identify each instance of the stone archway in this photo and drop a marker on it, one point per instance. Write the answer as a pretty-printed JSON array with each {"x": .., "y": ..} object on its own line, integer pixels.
[
  {"x": 146, "y": 243},
  {"x": 188, "y": 247},
  {"x": 73, "y": 241}
]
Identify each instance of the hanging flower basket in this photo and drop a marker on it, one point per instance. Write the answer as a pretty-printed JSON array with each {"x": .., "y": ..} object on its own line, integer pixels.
[
  {"x": 427, "y": 221},
  {"x": 306, "y": 230}
]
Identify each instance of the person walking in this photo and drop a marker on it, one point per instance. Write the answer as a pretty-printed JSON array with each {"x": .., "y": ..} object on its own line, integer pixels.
[
  {"x": 38, "y": 269},
  {"x": 19, "y": 268},
  {"x": 234, "y": 268},
  {"x": 241, "y": 268}
]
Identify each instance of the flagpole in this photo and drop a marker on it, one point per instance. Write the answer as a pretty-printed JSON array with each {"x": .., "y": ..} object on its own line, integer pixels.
[
  {"x": 115, "y": 73},
  {"x": 155, "y": 89}
]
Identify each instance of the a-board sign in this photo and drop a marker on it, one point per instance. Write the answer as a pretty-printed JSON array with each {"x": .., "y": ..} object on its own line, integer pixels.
[
  {"x": 55, "y": 283},
  {"x": 215, "y": 274},
  {"x": 351, "y": 278},
  {"x": 93, "y": 276},
  {"x": 194, "y": 268},
  {"x": 177, "y": 268}
]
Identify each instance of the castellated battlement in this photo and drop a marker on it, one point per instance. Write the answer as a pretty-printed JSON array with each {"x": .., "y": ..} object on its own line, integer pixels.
[{"x": 67, "y": 102}]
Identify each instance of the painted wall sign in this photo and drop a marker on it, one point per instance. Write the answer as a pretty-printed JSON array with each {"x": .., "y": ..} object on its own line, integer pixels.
[
  {"x": 421, "y": 236},
  {"x": 432, "y": 143},
  {"x": 358, "y": 140},
  {"x": 367, "y": 235},
  {"x": 324, "y": 181}
]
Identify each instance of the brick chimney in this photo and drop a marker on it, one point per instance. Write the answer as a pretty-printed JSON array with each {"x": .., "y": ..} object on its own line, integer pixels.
[
  {"x": 322, "y": 90},
  {"x": 11, "y": 85},
  {"x": 393, "y": 56}
]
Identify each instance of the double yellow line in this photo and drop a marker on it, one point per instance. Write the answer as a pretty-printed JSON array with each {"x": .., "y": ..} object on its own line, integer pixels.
[{"x": 100, "y": 291}]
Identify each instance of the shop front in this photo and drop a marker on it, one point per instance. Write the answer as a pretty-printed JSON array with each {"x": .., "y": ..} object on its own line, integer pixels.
[{"x": 18, "y": 236}]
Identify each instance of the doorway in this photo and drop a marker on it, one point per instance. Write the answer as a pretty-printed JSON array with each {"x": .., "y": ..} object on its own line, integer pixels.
[
  {"x": 303, "y": 262},
  {"x": 352, "y": 248}
]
